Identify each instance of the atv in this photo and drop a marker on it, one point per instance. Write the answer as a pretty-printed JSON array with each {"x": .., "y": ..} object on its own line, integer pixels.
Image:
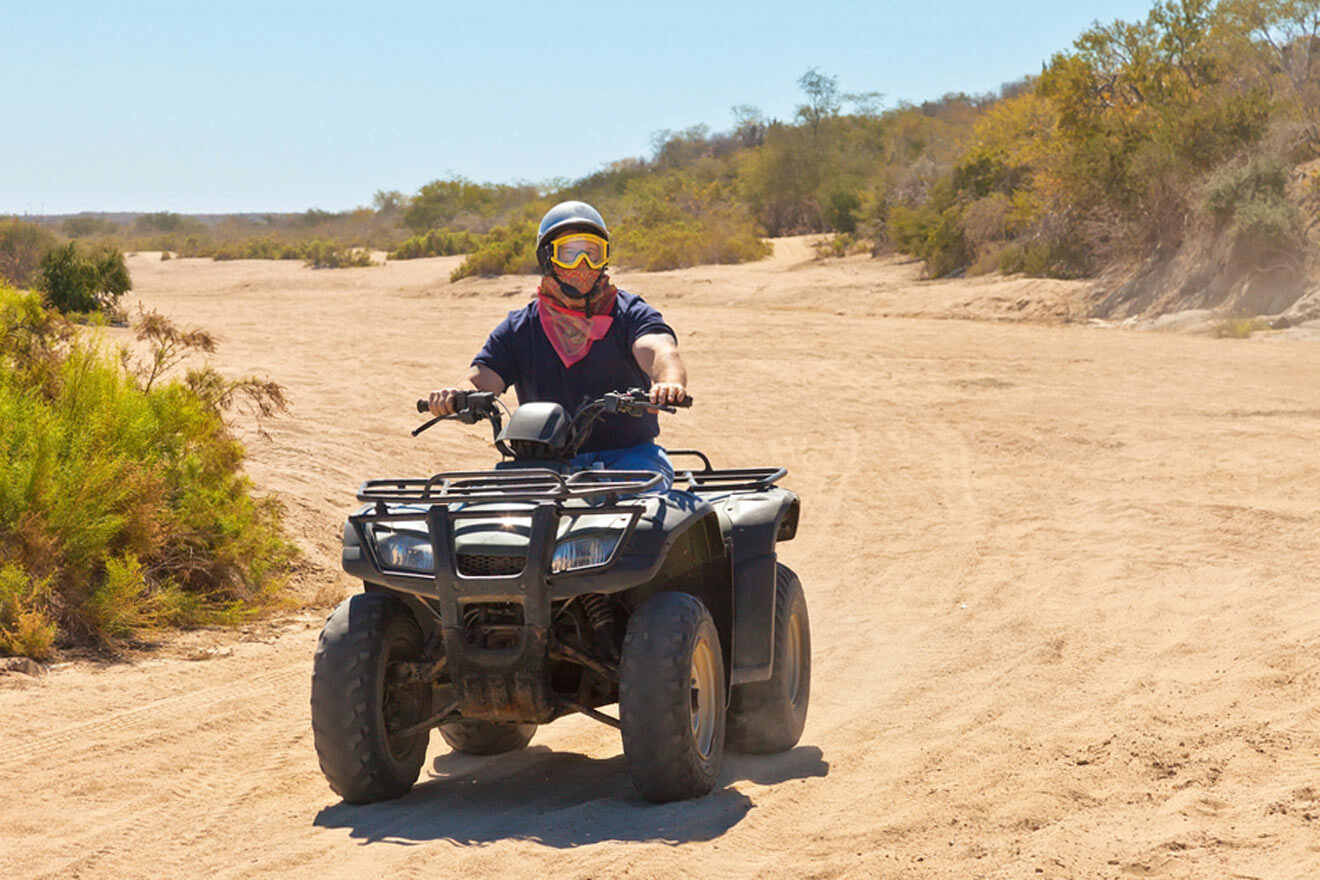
[{"x": 495, "y": 601}]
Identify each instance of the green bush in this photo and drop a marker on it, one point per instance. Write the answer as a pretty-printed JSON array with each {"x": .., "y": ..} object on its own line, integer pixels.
[
  {"x": 253, "y": 249},
  {"x": 25, "y": 626},
  {"x": 22, "y": 245},
  {"x": 122, "y": 500},
  {"x": 316, "y": 253},
  {"x": 840, "y": 244},
  {"x": 1045, "y": 257},
  {"x": 934, "y": 236},
  {"x": 333, "y": 255},
  {"x": 694, "y": 242},
  {"x": 74, "y": 281},
  {"x": 441, "y": 203},
  {"x": 1262, "y": 178},
  {"x": 841, "y": 211},
  {"x": 505, "y": 250},
  {"x": 1250, "y": 199},
  {"x": 683, "y": 218},
  {"x": 437, "y": 243}
]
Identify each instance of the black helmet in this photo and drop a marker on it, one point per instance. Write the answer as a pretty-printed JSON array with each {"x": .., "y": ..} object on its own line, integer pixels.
[{"x": 560, "y": 217}]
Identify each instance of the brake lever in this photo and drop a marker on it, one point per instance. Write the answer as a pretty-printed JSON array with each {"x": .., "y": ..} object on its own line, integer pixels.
[{"x": 422, "y": 427}]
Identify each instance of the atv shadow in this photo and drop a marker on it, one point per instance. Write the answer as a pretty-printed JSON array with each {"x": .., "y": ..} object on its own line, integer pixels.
[{"x": 559, "y": 799}]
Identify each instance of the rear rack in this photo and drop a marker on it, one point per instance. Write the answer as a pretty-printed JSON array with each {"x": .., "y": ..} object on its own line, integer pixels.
[
  {"x": 711, "y": 479},
  {"x": 530, "y": 484}
]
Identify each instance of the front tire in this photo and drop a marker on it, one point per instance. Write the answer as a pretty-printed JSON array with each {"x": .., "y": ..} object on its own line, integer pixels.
[
  {"x": 672, "y": 698},
  {"x": 354, "y": 712},
  {"x": 486, "y": 737},
  {"x": 768, "y": 716}
]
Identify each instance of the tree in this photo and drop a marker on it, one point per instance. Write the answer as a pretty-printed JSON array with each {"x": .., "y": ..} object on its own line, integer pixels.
[
  {"x": 161, "y": 221},
  {"x": 868, "y": 104},
  {"x": 22, "y": 245},
  {"x": 77, "y": 282},
  {"x": 1283, "y": 36},
  {"x": 822, "y": 94},
  {"x": 748, "y": 125},
  {"x": 84, "y": 225},
  {"x": 388, "y": 202}
]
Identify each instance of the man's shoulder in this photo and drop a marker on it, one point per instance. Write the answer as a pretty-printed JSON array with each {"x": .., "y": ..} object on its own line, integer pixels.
[
  {"x": 640, "y": 317},
  {"x": 519, "y": 318},
  {"x": 632, "y": 305}
]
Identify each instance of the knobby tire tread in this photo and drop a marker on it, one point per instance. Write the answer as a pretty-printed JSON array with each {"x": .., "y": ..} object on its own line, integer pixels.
[
  {"x": 347, "y": 702},
  {"x": 654, "y": 698}
]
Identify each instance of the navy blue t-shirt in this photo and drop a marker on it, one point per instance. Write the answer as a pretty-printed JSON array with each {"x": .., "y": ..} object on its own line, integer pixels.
[{"x": 521, "y": 353}]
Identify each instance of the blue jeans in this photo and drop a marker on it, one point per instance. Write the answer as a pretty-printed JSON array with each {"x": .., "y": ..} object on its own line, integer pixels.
[{"x": 642, "y": 457}]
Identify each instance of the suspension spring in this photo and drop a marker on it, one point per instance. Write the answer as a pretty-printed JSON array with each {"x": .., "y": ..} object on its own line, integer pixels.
[{"x": 599, "y": 612}]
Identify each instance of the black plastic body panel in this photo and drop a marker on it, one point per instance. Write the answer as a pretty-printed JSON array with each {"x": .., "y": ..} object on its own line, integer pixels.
[{"x": 755, "y": 522}]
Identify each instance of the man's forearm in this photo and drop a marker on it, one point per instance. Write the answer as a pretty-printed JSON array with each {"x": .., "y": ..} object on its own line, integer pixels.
[
  {"x": 483, "y": 378},
  {"x": 667, "y": 367}
]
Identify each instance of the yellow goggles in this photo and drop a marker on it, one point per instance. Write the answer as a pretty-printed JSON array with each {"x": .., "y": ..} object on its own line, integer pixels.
[{"x": 570, "y": 250}]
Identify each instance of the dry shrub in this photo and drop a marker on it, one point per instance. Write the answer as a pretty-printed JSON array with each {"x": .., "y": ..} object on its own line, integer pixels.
[
  {"x": 986, "y": 221},
  {"x": 22, "y": 246},
  {"x": 1239, "y": 328}
]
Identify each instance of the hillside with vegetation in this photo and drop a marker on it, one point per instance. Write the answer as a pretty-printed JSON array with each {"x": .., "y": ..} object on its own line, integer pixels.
[{"x": 1170, "y": 156}]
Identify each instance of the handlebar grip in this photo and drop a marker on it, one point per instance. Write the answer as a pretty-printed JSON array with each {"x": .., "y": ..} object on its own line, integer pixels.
[
  {"x": 686, "y": 401},
  {"x": 460, "y": 400}
]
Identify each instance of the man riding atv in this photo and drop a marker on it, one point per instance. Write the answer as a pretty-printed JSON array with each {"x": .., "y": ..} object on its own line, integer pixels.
[
  {"x": 580, "y": 338},
  {"x": 578, "y": 573}
]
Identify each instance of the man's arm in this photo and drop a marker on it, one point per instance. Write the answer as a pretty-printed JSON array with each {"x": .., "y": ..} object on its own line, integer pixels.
[
  {"x": 480, "y": 377},
  {"x": 657, "y": 355}
]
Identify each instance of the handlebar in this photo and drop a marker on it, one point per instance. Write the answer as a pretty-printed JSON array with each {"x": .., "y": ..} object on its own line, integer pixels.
[
  {"x": 481, "y": 400},
  {"x": 478, "y": 401},
  {"x": 471, "y": 406},
  {"x": 636, "y": 401}
]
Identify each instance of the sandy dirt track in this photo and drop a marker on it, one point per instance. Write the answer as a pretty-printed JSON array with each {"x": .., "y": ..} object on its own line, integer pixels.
[{"x": 1062, "y": 581}]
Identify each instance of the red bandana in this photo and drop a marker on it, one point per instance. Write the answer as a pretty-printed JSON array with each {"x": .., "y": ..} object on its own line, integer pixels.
[{"x": 570, "y": 331}]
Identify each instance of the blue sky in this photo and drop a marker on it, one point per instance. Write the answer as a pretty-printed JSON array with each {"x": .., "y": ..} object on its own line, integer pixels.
[{"x": 243, "y": 106}]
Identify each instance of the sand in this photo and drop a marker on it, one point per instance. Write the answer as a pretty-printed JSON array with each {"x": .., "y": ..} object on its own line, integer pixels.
[{"x": 1062, "y": 582}]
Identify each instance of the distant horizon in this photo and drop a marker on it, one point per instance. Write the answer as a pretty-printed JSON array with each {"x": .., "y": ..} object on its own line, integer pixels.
[{"x": 258, "y": 109}]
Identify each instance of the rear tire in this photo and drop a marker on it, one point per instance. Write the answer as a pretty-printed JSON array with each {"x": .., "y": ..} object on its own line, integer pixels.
[
  {"x": 768, "y": 716},
  {"x": 487, "y": 737},
  {"x": 672, "y": 698},
  {"x": 353, "y": 711}
]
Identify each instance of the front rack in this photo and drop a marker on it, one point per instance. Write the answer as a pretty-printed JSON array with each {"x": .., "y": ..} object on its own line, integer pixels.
[
  {"x": 529, "y": 484},
  {"x": 542, "y": 484}
]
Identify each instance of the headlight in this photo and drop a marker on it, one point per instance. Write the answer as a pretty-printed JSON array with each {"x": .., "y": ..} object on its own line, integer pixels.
[
  {"x": 403, "y": 551},
  {"x": 585, "y": 552}
]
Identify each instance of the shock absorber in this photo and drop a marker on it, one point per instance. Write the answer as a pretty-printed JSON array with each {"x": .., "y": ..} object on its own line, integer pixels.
[{"x": 600, "y": 614}]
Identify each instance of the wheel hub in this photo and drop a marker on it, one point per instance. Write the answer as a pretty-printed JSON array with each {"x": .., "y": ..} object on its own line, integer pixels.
[{"x": 702, "y": 703}]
